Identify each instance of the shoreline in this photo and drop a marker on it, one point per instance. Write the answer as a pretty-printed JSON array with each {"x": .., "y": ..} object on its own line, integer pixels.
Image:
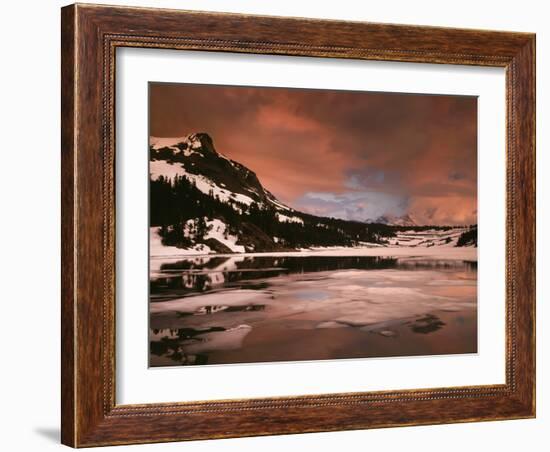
[{"x": 435, "y": 252}]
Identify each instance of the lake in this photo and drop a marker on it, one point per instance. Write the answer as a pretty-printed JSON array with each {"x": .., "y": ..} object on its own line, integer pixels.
[{"x": 293, "y": 307}]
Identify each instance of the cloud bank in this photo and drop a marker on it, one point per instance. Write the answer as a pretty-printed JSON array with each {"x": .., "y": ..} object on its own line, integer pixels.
[{"x": 351, "y": 155}]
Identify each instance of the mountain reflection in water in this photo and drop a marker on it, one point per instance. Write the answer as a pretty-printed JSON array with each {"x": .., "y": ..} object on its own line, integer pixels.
[{"x": 237, "y": 309}]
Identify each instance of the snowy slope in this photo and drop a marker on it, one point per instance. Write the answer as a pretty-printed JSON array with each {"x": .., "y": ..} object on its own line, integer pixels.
[
  {"x": 213, "y": 173},
  {"x": 427, "y": 238},
  {"x": 208, "y": 203}
]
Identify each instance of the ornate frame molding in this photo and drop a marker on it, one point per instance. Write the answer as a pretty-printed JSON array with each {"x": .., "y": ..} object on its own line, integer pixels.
[{"x": 90, "y": 36}]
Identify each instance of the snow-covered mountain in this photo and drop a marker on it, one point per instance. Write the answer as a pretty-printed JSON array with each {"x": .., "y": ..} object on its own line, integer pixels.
[
  {"x": 204, "y": 202},
  {"x": 211, "y": 172},
  {"x": 392, "y": 220}
]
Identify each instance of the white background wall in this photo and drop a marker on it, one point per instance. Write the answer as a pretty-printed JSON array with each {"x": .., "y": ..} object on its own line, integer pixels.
[{"x": 29, "y": 127}]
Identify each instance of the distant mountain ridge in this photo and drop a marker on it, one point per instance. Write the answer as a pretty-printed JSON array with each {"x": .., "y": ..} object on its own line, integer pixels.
[{"x": 392, "y": 220}]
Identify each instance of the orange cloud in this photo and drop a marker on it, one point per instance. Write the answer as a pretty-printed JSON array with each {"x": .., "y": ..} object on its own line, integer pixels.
[{"x": 396, "y": 152}]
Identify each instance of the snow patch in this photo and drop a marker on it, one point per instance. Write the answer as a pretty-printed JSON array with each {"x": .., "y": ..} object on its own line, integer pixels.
[
  {"x": 215, "y": 229},
  {"x": 158, "y": 250},
  {"x": 218, "y": 230},
  {"x": 286, "y": 219},
  {"x": 159, "y": 168},
  {"x": 427, "y": 238}
]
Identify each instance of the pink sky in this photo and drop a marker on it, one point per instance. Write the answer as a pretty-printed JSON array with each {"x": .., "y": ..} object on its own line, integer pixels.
[{"x": 353, "y": 155}]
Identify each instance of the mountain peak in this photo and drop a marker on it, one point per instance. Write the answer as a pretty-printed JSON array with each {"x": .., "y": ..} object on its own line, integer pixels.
[
  {"x": 392, "y": 220},
  {"x": 194, "y": 142},
  {"x": 201, "y": 140},
  {"x": 195, "y": 157}
]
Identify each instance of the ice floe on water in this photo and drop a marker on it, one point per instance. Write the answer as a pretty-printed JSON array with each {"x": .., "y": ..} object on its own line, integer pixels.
[
  {"x": 192, "y": 304},
  {"x": 225, "y": 315},
  {"x": 230, "y": 339}
]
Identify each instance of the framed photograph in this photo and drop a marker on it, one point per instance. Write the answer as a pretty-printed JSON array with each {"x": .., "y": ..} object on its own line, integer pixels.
[{"x": 282, "y": 225}]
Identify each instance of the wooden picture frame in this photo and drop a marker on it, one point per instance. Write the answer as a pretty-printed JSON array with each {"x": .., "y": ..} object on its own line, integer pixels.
[{"x": 90, "y": 36}]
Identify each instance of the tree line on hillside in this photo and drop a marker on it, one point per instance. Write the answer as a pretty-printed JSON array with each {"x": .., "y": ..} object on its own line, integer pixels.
[
  {"x": 468, "y": 238},
  {"x": 175, "y": 201}
]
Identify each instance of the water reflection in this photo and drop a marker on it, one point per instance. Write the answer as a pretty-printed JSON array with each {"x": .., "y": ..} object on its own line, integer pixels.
[
  {"x": 427, "y": 324},
  {"x": 200, "y": 274},
  {"x": 218, "y": 309}
]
